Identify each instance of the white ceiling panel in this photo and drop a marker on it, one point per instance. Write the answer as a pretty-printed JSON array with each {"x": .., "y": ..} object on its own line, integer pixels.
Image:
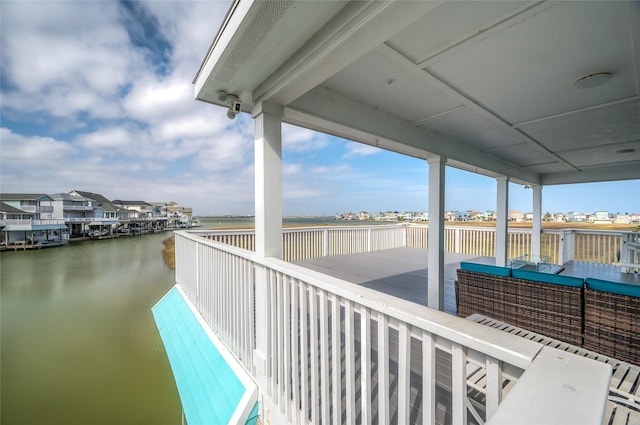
[
  {"x": 527, "y": 71},
  {"x": 375, "y": 81},
  {"x": 523, "y": 155},
  {"x": 489, "y": 85},
  {"x": 446, "y": 26},
  {"x": 547, "y": 168},
  {"x": 616, "y": 153},
  {"x": 603, "y": 126},
  {"x": 485, "y": 135}
]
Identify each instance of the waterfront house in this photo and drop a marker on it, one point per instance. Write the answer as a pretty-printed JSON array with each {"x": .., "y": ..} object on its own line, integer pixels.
[
  {"x": 37, "y": 204},
  {"x": 107, "y": 215},
  {"x": 158, "y": 209},
  {"x": 8, "y": 212},
  {"x": 9, "y": 215},
  {"x": 141, "y": 217},
  {"x": 560, "y": 217},
  {"x": 576, "y": 216},
  {"x": 178, "y": 215},
  {"x": 109, "y": 208},
  {"x": 622, "y": 219},
  {"x": 602, "y": 217},
  {"x": 145, "y": 209},
  {"x": 422, "y": 216},
  {"x": 450, "y": 216},
  {"x": 515, "y": 215},
  {"x": 363, "y": 215},
  {"x": 28, "y": 221},
  {"x": 531, "y": 93},
  {"x": 76, "y": 211}
]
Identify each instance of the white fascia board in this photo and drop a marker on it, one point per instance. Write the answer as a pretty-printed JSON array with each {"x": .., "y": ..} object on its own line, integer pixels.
[
  {"x": 357, "y": 29},
  {"x": 331, "y": 113},
  {"x": 222, "y": 44}
]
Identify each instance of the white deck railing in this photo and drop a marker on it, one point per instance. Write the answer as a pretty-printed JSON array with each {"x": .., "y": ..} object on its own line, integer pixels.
[
  {"x": 27, "y": 221},
  {"x": 330, "y": 342},
  {"x": 560, "y": 246}
]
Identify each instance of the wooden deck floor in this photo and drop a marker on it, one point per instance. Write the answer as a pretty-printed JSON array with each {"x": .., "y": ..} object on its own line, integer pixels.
[
  {"x": 402, "y": 272},
  {"x": 599, "y": 271}
]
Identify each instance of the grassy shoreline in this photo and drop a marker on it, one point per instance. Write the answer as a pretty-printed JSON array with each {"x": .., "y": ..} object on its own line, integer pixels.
[{"x": 169, "y": 252}]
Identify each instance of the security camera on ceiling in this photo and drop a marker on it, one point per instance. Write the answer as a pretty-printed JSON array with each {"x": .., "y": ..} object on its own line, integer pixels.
[{"x": 235, "y": 106}]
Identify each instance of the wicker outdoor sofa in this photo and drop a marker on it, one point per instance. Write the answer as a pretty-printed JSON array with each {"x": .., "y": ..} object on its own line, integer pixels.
[{"x": 598, "y": 315}]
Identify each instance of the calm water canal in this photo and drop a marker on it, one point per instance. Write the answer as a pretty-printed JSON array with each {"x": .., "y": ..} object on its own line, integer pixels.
[{"x": 78, "y": 341}]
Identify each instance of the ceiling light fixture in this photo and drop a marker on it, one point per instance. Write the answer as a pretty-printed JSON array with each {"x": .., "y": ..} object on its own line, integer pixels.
[{"x": 593, "y": 80}]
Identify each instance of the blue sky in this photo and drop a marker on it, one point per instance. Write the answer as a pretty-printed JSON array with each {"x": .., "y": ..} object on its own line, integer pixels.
[{"x": 97, "y": 96}]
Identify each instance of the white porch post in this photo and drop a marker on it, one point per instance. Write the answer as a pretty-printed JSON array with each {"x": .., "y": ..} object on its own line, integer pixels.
[
  {"x": 268, "y": 179},
  {"x": 268, "y": 218},
  {"x": 502, "y": 220},
  {"x": 536, "y": 238},
  {"x": 435, "y": 275}
]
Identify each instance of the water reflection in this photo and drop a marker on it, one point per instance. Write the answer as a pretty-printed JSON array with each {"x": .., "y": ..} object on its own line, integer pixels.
[{"x": 79, "y": 345}]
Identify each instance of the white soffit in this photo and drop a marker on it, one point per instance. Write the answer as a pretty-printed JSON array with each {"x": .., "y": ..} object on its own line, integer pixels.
[
  {"x": 527, "y": 156},
  {"x": 269, "y": 32},
  {"x": 376, "y": 81},
  {"x": 527, "y": 71},
  {"x": 619, "y": 153},
  {"x": 485, "y": 134},
  {"x": 617, "y": 123},
  {"x": 490, "y": 84},
  {"x": 446, "y": 26}
]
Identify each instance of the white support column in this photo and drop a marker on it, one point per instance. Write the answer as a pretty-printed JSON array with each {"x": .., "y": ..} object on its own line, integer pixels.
[
  {"x": 435, "y": 275},
  {"x": 268, "y": 179},
  {"x": 268, "y": 220},
  {"x": 502, "y": 220},
  {"x": 536, "y": 238}
]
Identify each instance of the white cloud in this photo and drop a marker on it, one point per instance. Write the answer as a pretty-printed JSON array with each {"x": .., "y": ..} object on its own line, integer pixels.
[
  {"x": 226, "y": 151},
  {"x": 191, "y": 27},
  {"x": 65, "y": 58},
  {"x": 108, "y": 140},
  {"x": 360, "y": 149},
  {"x": 154, "y": 99},
  {"x": 16, "y": 150},
  {"x": 131, "y": 132},
  {"x": 292, "y": 170},
  {"x": 300, "y": 140}
]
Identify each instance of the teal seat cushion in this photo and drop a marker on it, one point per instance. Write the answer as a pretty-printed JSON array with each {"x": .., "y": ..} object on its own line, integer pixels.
[
  {"x": 555, "y": 279},
  {"x": 486, "y": 268},
  {"x": 627, "y": 289}
]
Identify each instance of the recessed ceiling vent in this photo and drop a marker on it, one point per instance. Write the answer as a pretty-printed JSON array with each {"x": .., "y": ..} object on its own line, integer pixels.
[
  {"x": 266, "y": 18},
  {"x": 593, "y": 80}
]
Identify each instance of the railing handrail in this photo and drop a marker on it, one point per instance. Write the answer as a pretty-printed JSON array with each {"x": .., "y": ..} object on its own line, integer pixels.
[
  {"x": 19, "y": 221},
  {"x": 302, "y": 300},
  {"x": 77, "y": 207},
  {"x": 395, "y": 226},
  {"x": 600, "y": 246},
  {"x": 508, "y": 348}
]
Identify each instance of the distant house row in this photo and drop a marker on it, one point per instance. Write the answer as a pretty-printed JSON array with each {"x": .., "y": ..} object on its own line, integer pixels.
[
  {"x": 34, "y": 220},
  {"x": 598, "y": 217}
]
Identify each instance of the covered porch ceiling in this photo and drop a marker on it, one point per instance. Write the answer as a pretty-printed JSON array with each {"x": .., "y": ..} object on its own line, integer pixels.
[{"x": 492, "y": 86}]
